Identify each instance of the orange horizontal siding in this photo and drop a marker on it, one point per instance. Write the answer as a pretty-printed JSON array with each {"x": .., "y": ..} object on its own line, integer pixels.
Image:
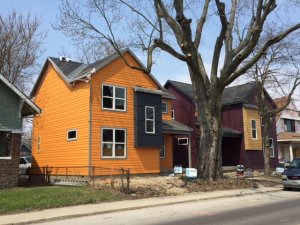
[
  {"x": 63, "y": 108},
  {"x": 168, "y": 115},
  {"x": 167, "y": 162},
  {"x": 139, "y": 160}
]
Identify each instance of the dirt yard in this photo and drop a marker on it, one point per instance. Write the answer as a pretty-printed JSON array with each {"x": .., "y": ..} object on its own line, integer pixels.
[{"x": 159, "y": 186}]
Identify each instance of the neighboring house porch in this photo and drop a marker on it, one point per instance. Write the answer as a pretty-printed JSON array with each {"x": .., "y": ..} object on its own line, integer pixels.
[
  {"x": 14, "y": 107},
  {"x": 288, "y": 146},
  {"x": 288, "y": 131}
]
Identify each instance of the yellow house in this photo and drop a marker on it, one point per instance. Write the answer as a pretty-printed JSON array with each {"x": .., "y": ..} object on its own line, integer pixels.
[{"x": 101, "y": 117}]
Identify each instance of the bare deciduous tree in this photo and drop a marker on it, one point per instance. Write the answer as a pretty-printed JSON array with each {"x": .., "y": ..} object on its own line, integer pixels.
[
  {"x": 20, "y": 47},
  {"x": 276, "y": 71},
  {"x": 179, "y": 29}
]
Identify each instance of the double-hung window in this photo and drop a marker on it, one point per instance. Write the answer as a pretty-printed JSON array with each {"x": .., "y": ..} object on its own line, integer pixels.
[
  {"x": 5, "y": 144},
  {"x": 253, "y": 129},
  {"x": 289, "y": 125},
  {"x": 271, "y": 147},
  {"x": 271, "y": 144},
  {"x": 113, "y": 143},
  {"x": 150, "y": 119},
  {"x": 164, "y": 107},
  {"x": 113, "y": 97}
]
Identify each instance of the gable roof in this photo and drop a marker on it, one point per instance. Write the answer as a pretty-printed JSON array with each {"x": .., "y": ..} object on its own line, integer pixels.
[
  {"x": 283, "y": 100},
  {"x": 231, "y": 95},
  {"x": 72, "y": 71},
  {"x": 29, "y": 107}
]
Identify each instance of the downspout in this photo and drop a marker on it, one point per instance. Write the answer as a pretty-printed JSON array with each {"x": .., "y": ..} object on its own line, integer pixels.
[
  {"x": 90, "y": 128},
  {"x": 190, "y": 151},
  {"x": 89, "y": 78}
]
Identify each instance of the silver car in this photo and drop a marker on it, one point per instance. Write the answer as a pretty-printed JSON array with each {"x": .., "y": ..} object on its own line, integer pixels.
[{"x": 25, "y": 164}]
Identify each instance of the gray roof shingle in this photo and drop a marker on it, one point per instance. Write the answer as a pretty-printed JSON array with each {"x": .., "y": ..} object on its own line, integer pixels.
[
  {"x": 231, "y": 95},
  {"x": 72, "y": 71}
]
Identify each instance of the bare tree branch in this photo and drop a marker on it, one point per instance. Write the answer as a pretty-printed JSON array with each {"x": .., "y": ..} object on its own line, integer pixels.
[
  {"x": 20, "y": 47},
  {"x": 200, "y": 24}
]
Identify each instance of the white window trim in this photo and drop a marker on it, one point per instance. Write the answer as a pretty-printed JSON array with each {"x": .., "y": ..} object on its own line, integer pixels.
[
  {"x": 6, "y": 157},
  {"x": 153, "y": 120},
  {"x": 165, "y": 112},
  {"x": 72, "y": 139},
  {"x": 173, "y": 114},
  {"x": 273, "y": 155},
  {"x": 114, "y": 144},
  {"x": 253, "y": 130},
  {"x": 187, "y": 141},
  {"x": 114, "y": 98},
  {"x": 164, "y": 149}
]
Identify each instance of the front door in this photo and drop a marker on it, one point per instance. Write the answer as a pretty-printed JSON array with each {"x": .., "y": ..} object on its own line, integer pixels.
[{"x": 180, "y": 151}]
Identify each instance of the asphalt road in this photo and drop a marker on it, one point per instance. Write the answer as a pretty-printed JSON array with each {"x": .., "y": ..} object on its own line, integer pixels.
[{"x": 269, "y": 208}]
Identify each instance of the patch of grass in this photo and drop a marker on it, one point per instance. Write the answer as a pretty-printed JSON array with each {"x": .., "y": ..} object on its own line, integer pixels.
[{"x": 28, "y": 199}]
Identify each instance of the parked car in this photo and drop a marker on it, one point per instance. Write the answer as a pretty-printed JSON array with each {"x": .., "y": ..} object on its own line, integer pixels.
[
  {"x": 25, "y": 164},
  {"x": 291, "y": 175},
  {"x": 281, "y": 167}
]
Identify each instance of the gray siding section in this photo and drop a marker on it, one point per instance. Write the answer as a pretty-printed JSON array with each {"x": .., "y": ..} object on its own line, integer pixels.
[
  {"x": 143, "y": 139},
  {"x": 9, "y": 109}
]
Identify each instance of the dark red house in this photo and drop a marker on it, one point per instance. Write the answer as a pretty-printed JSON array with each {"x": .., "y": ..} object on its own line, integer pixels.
[{"x": 242, "y": 134}]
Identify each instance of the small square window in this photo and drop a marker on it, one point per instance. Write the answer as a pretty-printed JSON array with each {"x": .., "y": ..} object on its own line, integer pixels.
[
  {"x": 72, "y": 135},
  {"x": 183, "y": 141}
]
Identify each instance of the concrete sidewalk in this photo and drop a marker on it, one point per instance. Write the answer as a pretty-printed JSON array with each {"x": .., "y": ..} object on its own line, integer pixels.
[{"x": 92, "y": 209}]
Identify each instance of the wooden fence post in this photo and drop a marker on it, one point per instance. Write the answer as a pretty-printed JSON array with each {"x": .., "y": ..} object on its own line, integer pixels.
[
  {"x": 128, "y": 180},
  {"x": 93, "y": 176}
]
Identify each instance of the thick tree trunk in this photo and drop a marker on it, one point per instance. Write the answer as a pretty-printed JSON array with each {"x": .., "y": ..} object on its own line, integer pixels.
[
  {"x": 208, "y": 108},
  {"x": 266, "y": 146},
  {"x": 210, "y": 148}
]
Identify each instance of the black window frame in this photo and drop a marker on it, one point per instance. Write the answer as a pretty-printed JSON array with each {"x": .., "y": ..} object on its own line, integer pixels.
[
  {"x": 72, "y": 138},
  {"x": 163, "y": 149},
  {"x": 292, "y": 125},
  {"x": 114, "y": 98},
  {"x": 7, "y": 144},
  {"x": 185, "y": 143},
  {"x": 162, "y": 107},
  {"x": 114, "y": 143}
]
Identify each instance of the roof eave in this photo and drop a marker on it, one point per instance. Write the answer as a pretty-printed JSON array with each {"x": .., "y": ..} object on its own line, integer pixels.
[{"x": 35, "y": 108}]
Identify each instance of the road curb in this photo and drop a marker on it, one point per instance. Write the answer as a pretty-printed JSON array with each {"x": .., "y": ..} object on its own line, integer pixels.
[{"x": 243, "y": 192}]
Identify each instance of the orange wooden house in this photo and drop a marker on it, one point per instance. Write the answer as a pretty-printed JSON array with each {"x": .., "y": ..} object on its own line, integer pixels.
[{"x": 103, "y": 115}]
